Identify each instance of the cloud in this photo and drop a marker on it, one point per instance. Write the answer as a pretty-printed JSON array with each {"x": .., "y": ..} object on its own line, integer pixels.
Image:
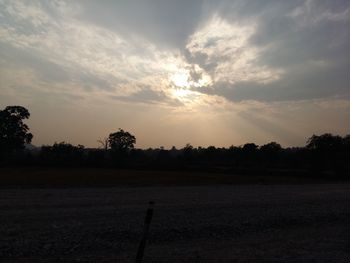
[
  {"x": 82, "y": 53},
  {"x": 165, "y": 23},
  {"x": 223, "y": 49},
  {"x": 312, "y": 12},
  {"x": 149, "y": 96},
  {"x": 154, "y": 51},
  {"x": 306, "y": 58}
]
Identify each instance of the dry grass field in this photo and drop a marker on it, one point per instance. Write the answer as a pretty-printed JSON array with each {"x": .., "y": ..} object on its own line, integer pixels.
[{"x": 61, "y": 215}]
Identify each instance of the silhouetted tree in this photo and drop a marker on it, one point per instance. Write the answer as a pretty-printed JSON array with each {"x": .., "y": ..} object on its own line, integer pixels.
[
  {"x": 271, "y": 147},
  {"x": 325, "y": 142},
  {"x": 250, "y": 147},
  {"x": 121, "y": 141},
  {"x": 270, "y": 151},
  {"x": 163, "y": 156},
  {"x": 327, "y": 152},
  {"x": 62, "y": 153},
  {"x": 104, "y": 143},
  {"x": 346, "y": 143},
  {"x": 188, "y": 152},
  {"x": 13, "y": 132}
]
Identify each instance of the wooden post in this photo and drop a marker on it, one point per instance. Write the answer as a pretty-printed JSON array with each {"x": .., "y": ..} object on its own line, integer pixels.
[{"x": 142, "y": 245}]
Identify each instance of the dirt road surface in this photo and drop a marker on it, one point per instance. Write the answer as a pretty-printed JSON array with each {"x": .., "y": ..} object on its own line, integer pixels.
[{"x": 242, "y": 223}]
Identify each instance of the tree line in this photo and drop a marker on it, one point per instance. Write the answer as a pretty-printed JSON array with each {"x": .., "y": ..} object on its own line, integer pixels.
[{"x": 324, "y": 155}]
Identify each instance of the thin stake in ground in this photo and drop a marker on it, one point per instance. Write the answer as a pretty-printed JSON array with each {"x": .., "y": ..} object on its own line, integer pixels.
[{"x": 142, "y": 245}]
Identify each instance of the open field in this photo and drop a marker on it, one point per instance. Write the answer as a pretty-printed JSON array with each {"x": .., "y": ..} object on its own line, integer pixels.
[{"x": 204, "y": 223}]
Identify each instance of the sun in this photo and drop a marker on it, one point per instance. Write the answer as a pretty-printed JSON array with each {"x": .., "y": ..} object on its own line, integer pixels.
[
  {"x": 181, "y": 86},
  {"x": 181, "y": 93},
  {"x": 181, "y": 79},
  {"x": 185, "y": 88}
]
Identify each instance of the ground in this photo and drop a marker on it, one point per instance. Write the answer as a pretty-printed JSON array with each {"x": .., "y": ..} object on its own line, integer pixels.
[{"x": 280, "y": 222}]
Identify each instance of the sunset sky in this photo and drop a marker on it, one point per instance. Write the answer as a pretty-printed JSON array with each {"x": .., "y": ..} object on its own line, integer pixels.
[{"x": 174, "y": 72}]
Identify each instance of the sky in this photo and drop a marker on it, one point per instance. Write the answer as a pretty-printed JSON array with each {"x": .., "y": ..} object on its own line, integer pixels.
[{"x": 220, "y": 73}]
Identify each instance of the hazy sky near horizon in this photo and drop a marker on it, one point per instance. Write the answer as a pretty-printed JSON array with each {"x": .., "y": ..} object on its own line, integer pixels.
[{"x": 220, "y": 73}]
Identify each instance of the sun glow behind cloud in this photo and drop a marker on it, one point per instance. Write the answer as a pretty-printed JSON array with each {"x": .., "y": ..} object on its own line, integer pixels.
[
  {"x": 124, "y": 65},
  {"x": 49, "y": 55},
  {"x": 180, "y": 79},
  {"x": 186, "y": 81}
]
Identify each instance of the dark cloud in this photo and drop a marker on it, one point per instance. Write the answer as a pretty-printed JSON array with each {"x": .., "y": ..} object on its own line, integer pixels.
[
  {"x": 303, "y": 84},
  {"x": 165, "y": 23},
  {"x": 312, "y": 49},
  {"x": 308, "y": 41}
]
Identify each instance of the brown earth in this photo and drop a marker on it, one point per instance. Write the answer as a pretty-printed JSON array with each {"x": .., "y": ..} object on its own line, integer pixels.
[{"x": 46, "y": 217}]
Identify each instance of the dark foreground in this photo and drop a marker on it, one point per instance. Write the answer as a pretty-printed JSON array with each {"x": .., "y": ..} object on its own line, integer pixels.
[{"x": 242, "y": 223}]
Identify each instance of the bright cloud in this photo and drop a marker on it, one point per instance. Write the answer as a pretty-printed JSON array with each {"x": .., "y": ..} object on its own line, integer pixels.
[
  {"x": 228, "y": 53},
  {"x": 126, "y": 66},
  {"x": 249, "y": 64}
]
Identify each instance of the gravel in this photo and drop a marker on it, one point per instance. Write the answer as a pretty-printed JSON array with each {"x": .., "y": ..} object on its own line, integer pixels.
[{"x": 242, "y": 223}]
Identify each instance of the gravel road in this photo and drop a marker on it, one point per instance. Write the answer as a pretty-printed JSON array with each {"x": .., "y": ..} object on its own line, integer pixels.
[{"x": 242, "y": 223}]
